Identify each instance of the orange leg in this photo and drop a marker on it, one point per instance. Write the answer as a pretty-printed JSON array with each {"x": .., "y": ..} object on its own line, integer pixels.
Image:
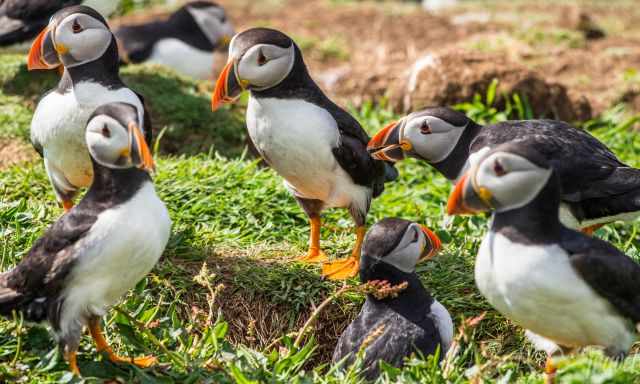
[
  {"x": 315, "y": 254},
  {"x": 349, "y": 267},
  {"x": 549, "y": 371},
  {"x": 73, "y": 363},
  {"x": 591, "y": 229},
  {"x": 101, "y": 345},
  {"x": 67, "y": 205}
]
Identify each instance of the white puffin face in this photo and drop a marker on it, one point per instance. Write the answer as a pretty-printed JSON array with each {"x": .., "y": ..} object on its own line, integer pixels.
[
  {"x": 80, "y": 38},
  {"x": 429, "y": 137},
  {"x": 214, "y": 24},
  {"x": 264, "y": 65},
  {"x": 109, "y": 142},
  {"x": 510, "y": 181},
  {"x": 409, "y": 250}
]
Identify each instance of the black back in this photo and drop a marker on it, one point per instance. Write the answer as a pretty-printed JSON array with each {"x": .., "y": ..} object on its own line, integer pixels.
[{"x": 28, "y": 18}]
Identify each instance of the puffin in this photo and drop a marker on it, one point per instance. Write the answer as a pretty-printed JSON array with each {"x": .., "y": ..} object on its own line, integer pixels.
[
  {"x": 393, "y": 328},
  {"x": 597, "y": 188},
  {"x": 567, "y": 289},
  {"x": 192, "y": 41},
  {"x": 317, "y": 147},
  {"x": 78, "y": 39},
  {"x": 21, "y": 20},
  {"x": 96, "y": 252}
]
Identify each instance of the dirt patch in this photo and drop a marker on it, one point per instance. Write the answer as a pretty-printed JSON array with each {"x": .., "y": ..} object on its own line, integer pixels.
[
  {"x": 455, "y": 76},
  {"x": 14, "y": 151}
]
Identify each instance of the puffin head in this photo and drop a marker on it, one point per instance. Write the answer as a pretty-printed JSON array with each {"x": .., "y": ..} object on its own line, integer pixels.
[
  {"x": 211, "y": 19},
  {"x": 259, "y": 59},
  {"x": 430, "y": 135},
  {"x": 74, "y": 36},
  {"x": 393, "y": 247},
  {"x": 114, "y": 138},
  {"x": 509, "y": 177}
]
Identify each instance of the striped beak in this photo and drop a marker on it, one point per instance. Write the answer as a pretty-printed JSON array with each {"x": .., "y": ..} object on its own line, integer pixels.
[
  {"x": 387, "y": 144},
  {"x": 139, "y": 150},
  {"x": 469, "y": 199},
  {"x": 228, "y": 87},
  {"x": 433, "y": 248},
  {"x": 44, "y": 53}
]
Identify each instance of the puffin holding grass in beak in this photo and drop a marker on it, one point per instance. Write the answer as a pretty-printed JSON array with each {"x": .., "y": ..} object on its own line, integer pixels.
[
  {"x": 597, "y": 187},
  {"x": 78, "y": 39},
  {"x": 316, "y": 146},
  {"x": 101, "y": 248},
  {"x": 413, "y": 321},
  {"x": 569, "y": 290},
  {"x": 193, "y": 40}
]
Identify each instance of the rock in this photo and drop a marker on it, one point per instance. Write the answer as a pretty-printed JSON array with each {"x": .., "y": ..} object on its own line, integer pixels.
[{"x": 455, "y": 76}]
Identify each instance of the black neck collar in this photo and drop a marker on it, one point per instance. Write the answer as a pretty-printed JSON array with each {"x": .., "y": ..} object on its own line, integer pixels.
[
  {"x": 114, "y": 186},
  {"x": 105, "y": 70}
]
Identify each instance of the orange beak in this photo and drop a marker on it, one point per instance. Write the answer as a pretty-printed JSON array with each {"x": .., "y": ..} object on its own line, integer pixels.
[
  {"x": 467, "y": 198},
  {"x": 228, "y": 88},
  {"x": 42, "y": 54},
  {"x": 436, "y": 244},
  {"x": 386, "y": 145},
  {"x": 140, "y": 153}
]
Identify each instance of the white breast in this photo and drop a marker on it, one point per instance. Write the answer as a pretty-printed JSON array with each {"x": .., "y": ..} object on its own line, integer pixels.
[
  {"x": 122, "y": 247},
  {"x": 444, "y": 324},
  {"x": 296, "y": 138},
  {"x": 536, "y": 287},
  {"x": 183, "y": 58},
  {"x": 59, "y": 122}
]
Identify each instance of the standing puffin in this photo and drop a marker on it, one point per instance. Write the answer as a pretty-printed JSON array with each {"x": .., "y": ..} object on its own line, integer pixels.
[
  {"x": 79, "y": 39},
  {"x": 21, "y": 20},
  {"x": 316, "y": 146},
  {"x": 597, "y": 188},
  {"x": 567, "y": 289},
  {"x": 192, "y": 41},
  {"x": 100, "y": 249},
  {"x": 411, "y": 322}
]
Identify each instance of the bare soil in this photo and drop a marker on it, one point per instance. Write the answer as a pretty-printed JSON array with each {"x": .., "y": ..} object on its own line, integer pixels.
[{"x": 14, "y": 151}]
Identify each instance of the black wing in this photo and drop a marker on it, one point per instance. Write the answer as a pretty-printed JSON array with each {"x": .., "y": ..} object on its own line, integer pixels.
[
  {"x": 41, "y": 273},
  {"x": 611, "y": 273},
  {"x": 352, "y": 155},
  {"x": 21, "y": 20},
  {"x": 587, "y": 168}
]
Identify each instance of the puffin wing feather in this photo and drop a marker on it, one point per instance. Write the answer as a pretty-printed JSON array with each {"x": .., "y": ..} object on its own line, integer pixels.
[{"x": 611, "y": 273}]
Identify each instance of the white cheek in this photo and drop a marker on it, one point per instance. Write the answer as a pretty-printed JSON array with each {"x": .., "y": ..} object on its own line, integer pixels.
[
  {"x": 87, "y": 45},
  {"x": 405, "y": 259},
  {"x": 106, "y": 150},
  {"x": 435, "y": 147},
  {"x": 523, "y": 187}
]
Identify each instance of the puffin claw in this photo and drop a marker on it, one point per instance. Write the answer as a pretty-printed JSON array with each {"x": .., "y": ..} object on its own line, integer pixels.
[{"x": 341, "y": 269}]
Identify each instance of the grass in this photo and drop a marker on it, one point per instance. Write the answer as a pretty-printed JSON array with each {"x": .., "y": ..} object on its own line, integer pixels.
[{"x": 220, "y": 304}]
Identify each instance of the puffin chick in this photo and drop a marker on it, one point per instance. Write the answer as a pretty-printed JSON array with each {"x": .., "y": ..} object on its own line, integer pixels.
[
  {"x": 79, "y": 40},
  {"x": 192, "y": 41},
  {"x": 567, "y": 289},
  {"x": 316, "y": 146},
  {"x": 96, "y": 252},
  {"x": 597, "y": 188},
  {"x": 392, "y": 328}
]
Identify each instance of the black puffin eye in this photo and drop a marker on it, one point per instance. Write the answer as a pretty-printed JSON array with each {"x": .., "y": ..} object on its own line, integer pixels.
[
  {"x": 262, "y": 60},
  {"x": 76, "y": 27},
  {"x": 105, "y": 131},
  {"x": 498, "y": 169},
  {"x": 425, "y": 129},
  {"x": 416, "y": 236}
]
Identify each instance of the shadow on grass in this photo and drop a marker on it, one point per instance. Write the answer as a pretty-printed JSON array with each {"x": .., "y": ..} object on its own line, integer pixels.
[{"x": 179, "y": 106}]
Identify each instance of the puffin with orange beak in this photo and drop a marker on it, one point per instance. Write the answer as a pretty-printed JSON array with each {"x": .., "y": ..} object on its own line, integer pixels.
[
  {"x": 597, "y": 188},
  {"x": 316, "y": 146},
  {"x": 92, "y": 255},
  {"x": 79, "y": 40},
  {"x": 569, "y": 290},
  {"x": 411, "y": 321}
]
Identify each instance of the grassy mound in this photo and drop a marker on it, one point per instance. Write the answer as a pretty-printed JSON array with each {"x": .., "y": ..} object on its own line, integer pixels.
[{"x": 220, "y": 304}]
